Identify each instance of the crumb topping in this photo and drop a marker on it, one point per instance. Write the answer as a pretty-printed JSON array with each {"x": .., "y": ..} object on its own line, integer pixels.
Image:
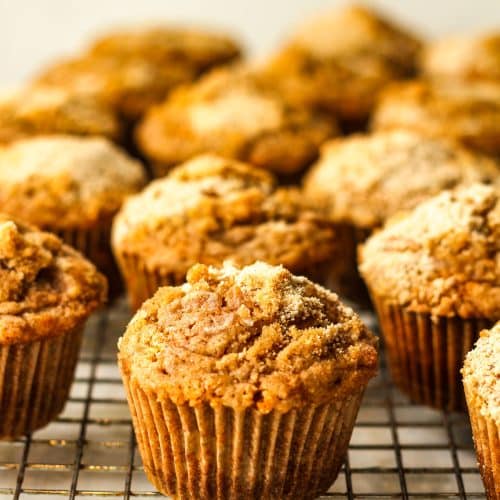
[
  {"x": 365, "y": 179},
  {"x": 256, "y": 336},
  {"x": 65, "y": 180},
  {"x": 45, "y": 286},
  {"x": 482, "y": 369},
  {"x": 211, "y": 209},
  {"x": 443, "y": 258}
]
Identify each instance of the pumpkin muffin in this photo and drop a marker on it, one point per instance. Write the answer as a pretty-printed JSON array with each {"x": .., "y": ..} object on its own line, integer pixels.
[
  {"x": 466, "y": 58},
  {"x": 47, "y": 291},
  {"x": 232, "y": 112},
  {"x": 468, "y": 112},
  {"x": 71, "y": 186},
  {"x": 339, "y": 61},
  {"x": 434, "y": 277},
  {"x": 212, "y": 209},
  {"x": 365, "y": 179},
  {"x": 132, "y": 69},
  {"x": 41, "y": 110},
  {"x": 481, "y": 377},
  {"x": 262, "y": 370}
]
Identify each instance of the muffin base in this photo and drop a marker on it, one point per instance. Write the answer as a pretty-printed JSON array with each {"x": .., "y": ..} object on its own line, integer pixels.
[
  {"x": 221, "y": 453},
  {"x": 487, "y": 443},
  {"x": 35, "y": 380},
  {"x": 425, "y": 354}
]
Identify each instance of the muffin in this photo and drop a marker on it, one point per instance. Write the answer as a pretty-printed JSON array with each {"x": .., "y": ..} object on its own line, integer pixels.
[
  {"x": 232, "y": 112},
  {"x": 481, "y": 377},
  {"x": 132, "y": 69},
  {"x": 47, "y": 292},
  {"x": 211, "y": 209},
  {"x": 434, "y": 277},
  {"x": 43, "y": 110},
  {"x": 365, "y": 179},
  {"x": 466, "y": 58},
  {"x": 71, "y": 186},
  {"x": 245, "y": 383},
  {"x": 339, "y": 61},
  {"x": 468, "y": 112}
]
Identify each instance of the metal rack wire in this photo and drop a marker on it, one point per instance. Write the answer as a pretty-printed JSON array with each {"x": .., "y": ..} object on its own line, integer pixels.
[{"x": 398, "y": 450}]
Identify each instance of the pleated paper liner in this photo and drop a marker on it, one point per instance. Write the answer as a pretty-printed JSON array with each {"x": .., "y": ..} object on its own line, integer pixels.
[
  {"x": 94, "y": 243},
  {"x": 425, "y": 354},
  {"x": 221, "y": 453},
  {"x": 486, "y": 434},
  {"x": 35, "y": 379}
]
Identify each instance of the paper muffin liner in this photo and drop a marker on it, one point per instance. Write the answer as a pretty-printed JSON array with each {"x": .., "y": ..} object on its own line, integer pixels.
[
  {"x": 487, "y": 443},
  {"x": 35, "y": 380},
  {"x": 224, "y": 453},
  {"x": 95, "y": 244},
  {"x": 425, "y": 353}
]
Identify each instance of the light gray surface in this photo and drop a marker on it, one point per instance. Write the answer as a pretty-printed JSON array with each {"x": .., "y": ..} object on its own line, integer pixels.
[{"x": 33, "y": 32}]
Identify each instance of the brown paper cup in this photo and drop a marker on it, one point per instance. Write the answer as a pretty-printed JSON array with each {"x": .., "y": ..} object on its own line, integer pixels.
[
  {"x": 221, "y": 453},
  {"x": 487, "y": 443},
  {"x": 35, "y": 379},
  {"x": 425, "y": 354}
]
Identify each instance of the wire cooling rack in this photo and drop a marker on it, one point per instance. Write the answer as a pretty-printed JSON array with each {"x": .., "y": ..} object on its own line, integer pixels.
[{"x": 398, "y": 450}]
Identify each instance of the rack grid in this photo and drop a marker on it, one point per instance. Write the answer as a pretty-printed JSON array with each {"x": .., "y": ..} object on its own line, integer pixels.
[{"x": 398, "y": 449}]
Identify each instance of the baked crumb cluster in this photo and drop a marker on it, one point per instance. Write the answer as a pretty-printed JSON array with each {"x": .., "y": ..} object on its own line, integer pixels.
[
  {"x": 482, "y": 369},
  {"x": 257, "y": 336},
  {"x": 45, "y": 286},
  {"x": 365, "y": 179},
  {"x": 66, "y": 181},
  {"x": 442, "y": 258},
  {"x": 211, "y": 209}
]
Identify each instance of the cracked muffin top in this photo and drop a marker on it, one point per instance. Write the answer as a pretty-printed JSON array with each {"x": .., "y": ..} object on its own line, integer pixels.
[
  {"x": 212, "y": 209},
  {"x": 232, "y": 112},
  {"x": 42, "y": 110},
  {"x": 465, "y": 111},
  {"x": 253, "y": 337},
  {"x": 339, "y": 60},
  {"x": 482, "y": 370},
  {"x": 365, "y": 179},
  {"x": 464, "y": 57},
  {"x": 66, "y": 181},
  {"x": 45, "y": 286},
  {"x": 443, "y": 258}
]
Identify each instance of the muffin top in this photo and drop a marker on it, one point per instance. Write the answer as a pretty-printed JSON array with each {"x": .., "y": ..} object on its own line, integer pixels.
[
  {"x": 468, "y": 112},
  {"x": 482, "y": 369},
  {"x": 42, "y": 110},
  {"x": 464, "y": 57},
  {"x": 443, "y": 258},
  {"x": 232, "y": 112},
  {"x": 46, "y": 287},
  {"x": 341, "y": 59},
  {"x": 198, "y": 49},
  {"x": 255, "y": 337},
  {"x": 364, "y": 179},
  {"x": 64, "y": 181},
  {"x": 211, "y": 209}
]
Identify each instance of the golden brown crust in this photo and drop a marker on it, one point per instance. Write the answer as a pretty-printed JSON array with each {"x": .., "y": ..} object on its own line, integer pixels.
[
  {"x": 46, "y": 287},
  {"x": 340, "y": 60},
  {"x": 481, "y": 373},
  {"x": 62, "y": 182},
  {"x": 42, "y": 110},
  {"x": 253, "y": 337},
  {"x": 443, "y": 258},
  {"x": 463, "y": 57},
  {"x": 467, "y": 112},
  {"x": 365, "y": 179},
  {"x": 233, "y": 113},
  {"x": 212, "y": 209}
]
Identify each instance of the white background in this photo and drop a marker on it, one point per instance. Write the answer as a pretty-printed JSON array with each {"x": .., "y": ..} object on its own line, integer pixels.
[{"x": 33, "y": 32}]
